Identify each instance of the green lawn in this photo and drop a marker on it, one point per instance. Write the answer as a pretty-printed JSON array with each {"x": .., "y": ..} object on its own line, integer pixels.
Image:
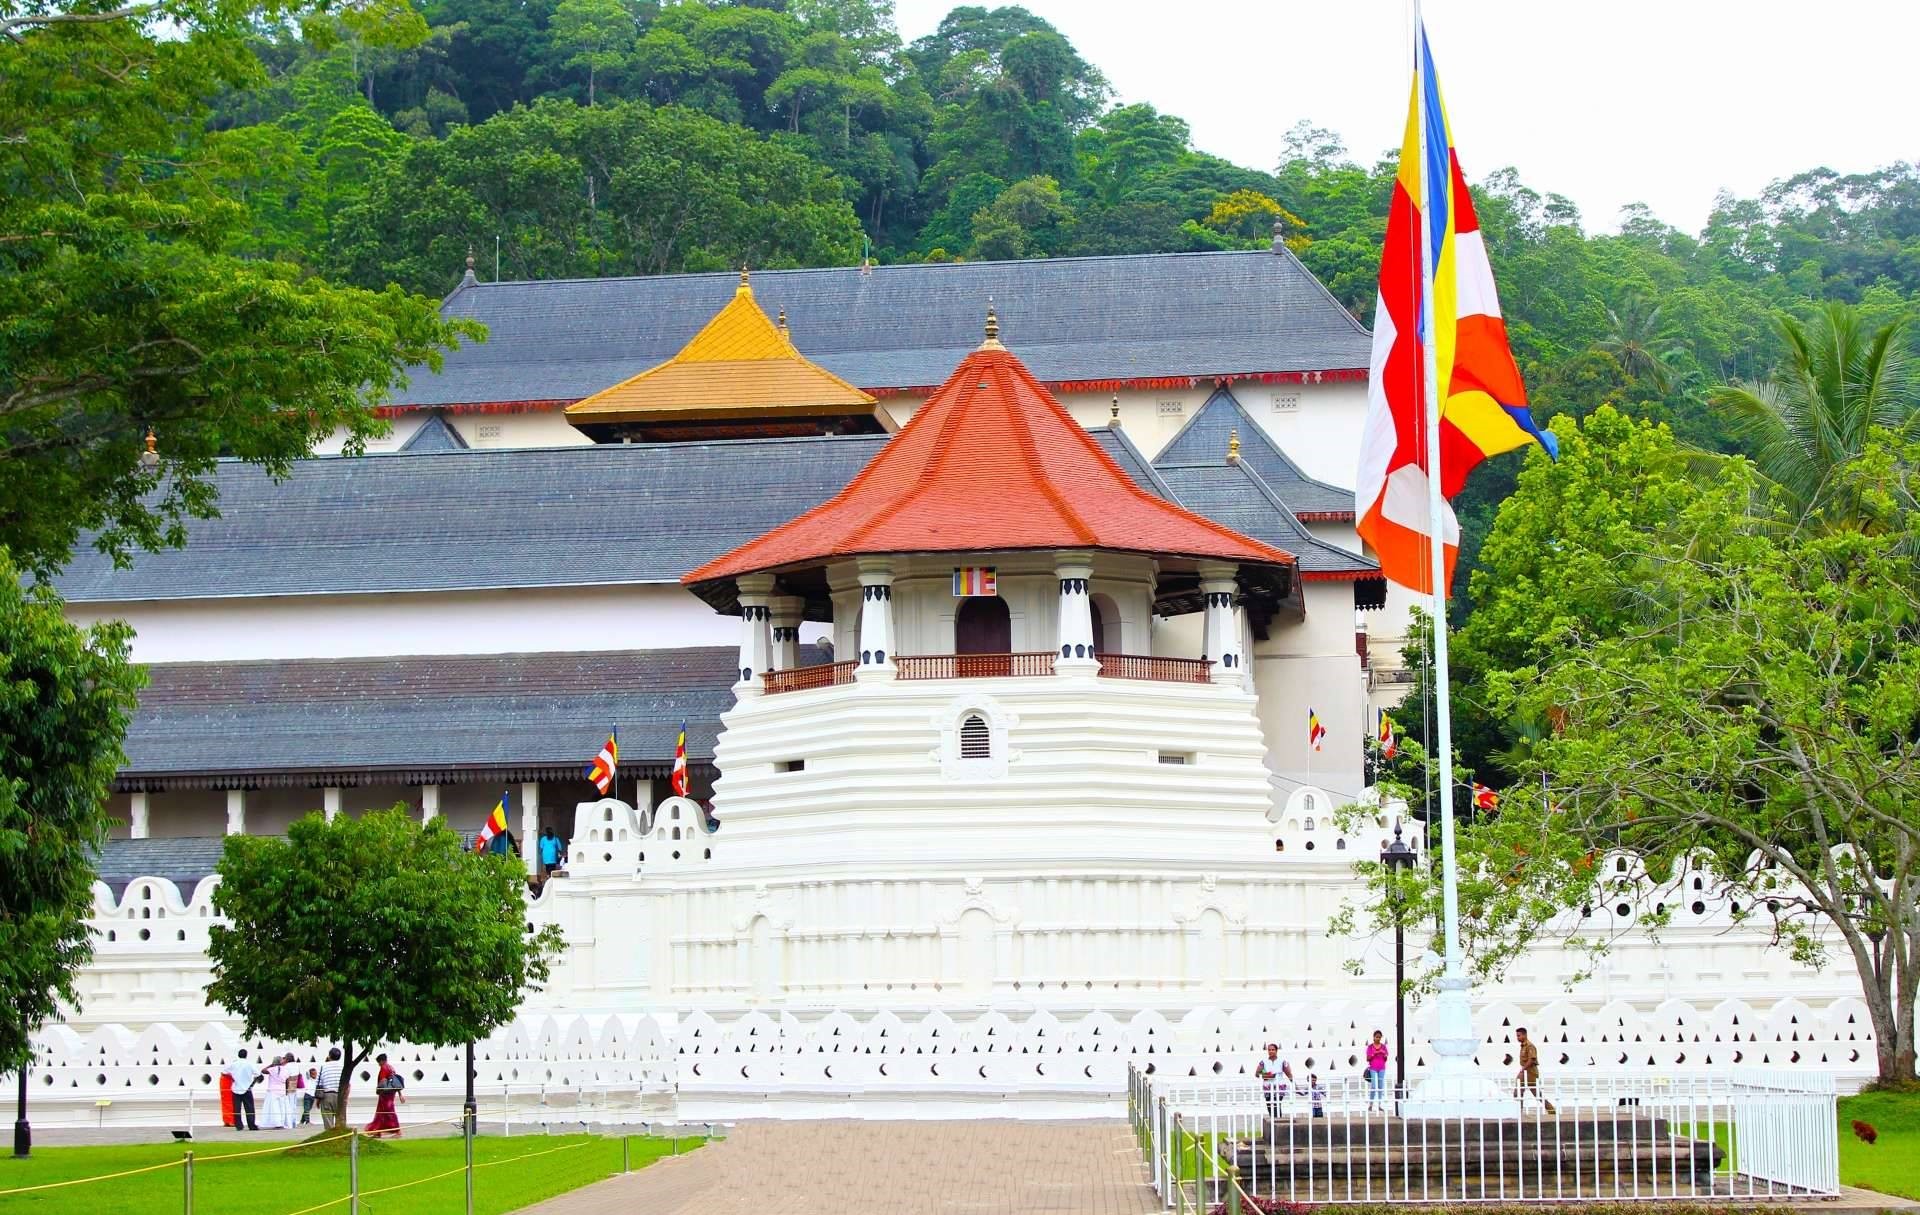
[
  {"x": 1892, "y": 1164},
  {"x": 517, "y": 1171}
]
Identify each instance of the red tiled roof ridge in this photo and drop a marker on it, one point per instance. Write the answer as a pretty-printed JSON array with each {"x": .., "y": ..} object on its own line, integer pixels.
[{"x": 940, "y": 485}]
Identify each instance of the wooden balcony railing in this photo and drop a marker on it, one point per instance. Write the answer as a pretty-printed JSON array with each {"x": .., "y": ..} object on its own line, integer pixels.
[
  {"x": 973, "y": 666},
  {"x": 1165, "y": 670},
  {"x": 801, "y": 679}
]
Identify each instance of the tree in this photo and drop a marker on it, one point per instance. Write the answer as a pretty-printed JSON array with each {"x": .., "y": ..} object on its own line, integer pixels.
[
  {"x": 1029, "y": 219},
  {"x": 1721, "y": 693},
  {"x": 369, "y": 930},
  {"x": 597, "y": 35},
  {"x": 124, "y": 311},
  {"x": 1842, "y": 377},
  {"x": 1639, "y": 342},
  {"x": 66, "y": 695}
]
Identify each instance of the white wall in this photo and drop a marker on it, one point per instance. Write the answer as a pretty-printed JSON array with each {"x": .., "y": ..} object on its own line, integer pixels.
[
  {"x": 542, "y": 428},
  {"x": 440, "y": 622}
]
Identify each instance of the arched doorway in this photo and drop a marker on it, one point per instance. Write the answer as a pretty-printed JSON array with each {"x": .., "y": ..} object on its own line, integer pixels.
[
  {"x": 1106, "y": 625},
  {"x": 983, "y": 626}
]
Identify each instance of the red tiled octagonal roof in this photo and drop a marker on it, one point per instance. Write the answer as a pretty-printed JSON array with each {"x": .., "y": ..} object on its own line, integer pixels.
[{"x": 991, "y": 462}]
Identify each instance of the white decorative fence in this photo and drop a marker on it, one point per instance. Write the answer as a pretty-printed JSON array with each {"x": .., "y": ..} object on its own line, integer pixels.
[
  {"x": 1738, "y": 1133},
  {"x": 925, "y": 1063}
]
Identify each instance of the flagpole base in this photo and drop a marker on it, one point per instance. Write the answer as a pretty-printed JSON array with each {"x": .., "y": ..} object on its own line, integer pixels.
[{"x": 1454, "y": 1087}]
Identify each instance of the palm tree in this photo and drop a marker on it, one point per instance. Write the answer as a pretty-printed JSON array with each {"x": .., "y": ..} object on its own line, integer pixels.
[
  {"x": 1842, "y": 377},
  {"x": 1635, "y": 341}
]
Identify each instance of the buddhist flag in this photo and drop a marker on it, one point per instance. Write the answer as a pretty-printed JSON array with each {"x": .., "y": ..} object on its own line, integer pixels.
[
  {"x": 975, "y": 580},
  {"x": 1484, "y": 798},
  {"x": 494, "y": 827},
  {"x": 1483, "y": 404},
  {"x": 1389, "y": 744},
  {"x": 679, "y": 778},
  {"x": 1315, "y": 731},
  {"x": 606, "y": 764}
]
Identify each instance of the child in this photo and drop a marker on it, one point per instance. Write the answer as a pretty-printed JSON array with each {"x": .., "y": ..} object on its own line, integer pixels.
[
  {"x": 1317, "y": 1092},
  {"x": 309, "y": 1083}
]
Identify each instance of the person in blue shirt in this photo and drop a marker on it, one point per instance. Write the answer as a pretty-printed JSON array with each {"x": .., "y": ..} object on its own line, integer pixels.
[{"x": 549, "y": 851}]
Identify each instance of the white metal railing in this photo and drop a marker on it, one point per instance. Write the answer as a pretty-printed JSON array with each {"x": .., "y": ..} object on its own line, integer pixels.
[{"x": 1741, "y": 1133}]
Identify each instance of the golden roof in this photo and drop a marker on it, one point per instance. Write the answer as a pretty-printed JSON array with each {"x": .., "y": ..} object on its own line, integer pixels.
[{"x": 740, "y": 365}]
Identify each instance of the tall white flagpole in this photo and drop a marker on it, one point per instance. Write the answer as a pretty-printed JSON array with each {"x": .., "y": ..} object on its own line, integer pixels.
[{"x": 1454, "y": 1086}]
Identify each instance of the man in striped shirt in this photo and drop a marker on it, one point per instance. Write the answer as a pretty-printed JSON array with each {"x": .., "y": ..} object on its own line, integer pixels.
[{"x": 328, "y": 1096}]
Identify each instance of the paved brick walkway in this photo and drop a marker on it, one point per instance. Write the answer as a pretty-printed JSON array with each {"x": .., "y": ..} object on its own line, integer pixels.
[{"x": 984, "y": 1167}]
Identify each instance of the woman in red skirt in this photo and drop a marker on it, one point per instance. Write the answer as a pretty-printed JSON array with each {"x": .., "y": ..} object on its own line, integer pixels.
[{"x": 389, "y": 1085}]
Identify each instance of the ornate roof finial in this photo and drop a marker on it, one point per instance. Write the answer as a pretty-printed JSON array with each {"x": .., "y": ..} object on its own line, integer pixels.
[
  {"x": 783, "y": 322},
  {"x": 1113, "y": 415},
  {"x": 150, "y": 458},
  {"x": 993, "y": 329},
  {"x": 469, "y": 280},
  {"x": 1233, "y": 446}
]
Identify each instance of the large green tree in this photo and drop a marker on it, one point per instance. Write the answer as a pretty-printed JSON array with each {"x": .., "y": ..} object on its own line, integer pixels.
[
  {"x": 1711, "y": 690},
  {"x": 372, "y": 929},
  {"x": 623, "y": 188},
  {"x": 121, "y": 308},
  {"x": 66, "y": 695}
]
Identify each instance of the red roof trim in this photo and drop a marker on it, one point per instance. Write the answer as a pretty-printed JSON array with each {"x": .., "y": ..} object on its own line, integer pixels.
[
  {"x": 1337, "y": 575},
  {"x": 401, "y": 411},
  {"x": 1324, "y": 516}
]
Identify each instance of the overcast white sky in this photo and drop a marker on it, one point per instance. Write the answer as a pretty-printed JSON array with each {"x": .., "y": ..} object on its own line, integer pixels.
[{"x": 1656, "y": 101}]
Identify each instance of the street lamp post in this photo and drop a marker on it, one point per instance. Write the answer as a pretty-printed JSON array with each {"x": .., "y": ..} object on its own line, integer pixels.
[
  {"x": 22, "y": 1131},
  {"x": 1397, "y": 857}
]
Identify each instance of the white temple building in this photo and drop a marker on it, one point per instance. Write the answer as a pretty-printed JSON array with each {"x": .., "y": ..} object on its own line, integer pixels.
[{"x": 996, "y": 649}]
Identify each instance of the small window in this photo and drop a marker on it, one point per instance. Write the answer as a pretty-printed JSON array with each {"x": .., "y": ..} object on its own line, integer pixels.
[
  {"x": 791, "y": 765},
  {"x": 1309, "y": 823},
  {"x": 975, "y": 741},
  {"x": 1175, "y": 757},
  {"x": 1171, "y": 408},
  {"x": 487, "y": 431},
  {"x": 675, "y": 814},
  {"x": 1308, "y": 804},
  {"x": 1286, "y": 402}
]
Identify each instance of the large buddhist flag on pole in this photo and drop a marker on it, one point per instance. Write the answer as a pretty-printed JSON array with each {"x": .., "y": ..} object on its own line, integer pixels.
[{"x": 1483, "y": 404}]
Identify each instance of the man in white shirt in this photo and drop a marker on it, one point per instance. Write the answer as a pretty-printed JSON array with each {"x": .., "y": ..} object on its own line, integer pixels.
[
  {"x": 1274, "y": 1074},
  {"x": 328, "y": 1096},
  {"x": 244, "y": 1074}
]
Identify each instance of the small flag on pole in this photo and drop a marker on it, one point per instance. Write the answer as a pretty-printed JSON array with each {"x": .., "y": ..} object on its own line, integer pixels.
[
  {"x": 1485, "y": 798},
  {"x": 1389, "y": 743},
  {"x": 601, "y": 771},
  {"x": 679, "y": 778},
  {"x": 494, "y": 827},
  {"x": 975, "y": 580},
  {"x": 1315, "y": 731}
]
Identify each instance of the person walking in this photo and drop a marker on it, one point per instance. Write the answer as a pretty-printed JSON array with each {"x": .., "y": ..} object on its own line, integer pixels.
[
  {"x": 326, "y": 1091},
  {"x": 1275, "y": 1074},
  {"x": 1530, "y": 1071},
  {"x": 391, "y": 1086},
  {"x": 1377, "y": 1071},
  {"x": 244, "y": 1075}
]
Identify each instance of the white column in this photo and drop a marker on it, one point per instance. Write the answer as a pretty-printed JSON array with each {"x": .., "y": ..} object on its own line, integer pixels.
[
  {"x": 876, "y": 619},
  {"x": 429, "y": 803},
  {"x": 1221, "y": 630},
  {"x": 1243, "y": 629},
  {"x": 786, "y": 632},
  {"x": 756, "y": 640},
  {"x": 236, "y": 812},
  {"x": 138, "y": 825},
  {"x": 530, "y": 825},
  {"x": 1075, "y": 641},
  {"x": 330, "y": 802}
]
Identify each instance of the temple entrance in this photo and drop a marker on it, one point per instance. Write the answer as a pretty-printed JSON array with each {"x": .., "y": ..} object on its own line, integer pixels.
[
  {"x": 983, "y": 626},
  {"x": 1101, "y": 607}
]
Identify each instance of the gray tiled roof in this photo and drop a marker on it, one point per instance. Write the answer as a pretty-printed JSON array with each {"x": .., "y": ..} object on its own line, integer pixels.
[
  {"x": 1203, "y": 441},
  {"x": 182, "y": 861},
  {"x": 1090, "y": 318},
  {"x": 561, "y": 516},
  {"x": 1115, "y": 443},
  {"x": 1235, "y": 494},
  {"x": 435, "y": 434},
  {"x": 429, "y": 712}
]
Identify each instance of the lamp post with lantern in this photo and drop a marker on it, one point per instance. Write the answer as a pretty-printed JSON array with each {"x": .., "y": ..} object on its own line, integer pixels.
[{"x": 1396, "y": 858}]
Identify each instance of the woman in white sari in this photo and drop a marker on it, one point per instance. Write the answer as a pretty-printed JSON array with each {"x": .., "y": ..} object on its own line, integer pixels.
[{"x": 278, "y": 1112}]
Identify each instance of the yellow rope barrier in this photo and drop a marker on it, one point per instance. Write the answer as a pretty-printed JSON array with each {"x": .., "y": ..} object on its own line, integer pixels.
[
  {"x": 211, "y": 1157},
  {"x": 544, "y": 1152},
  {"x": 332, "y": 1202},
  {"x": 55, "y": 1185},
  {"x": 387, "y": 1189}
]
